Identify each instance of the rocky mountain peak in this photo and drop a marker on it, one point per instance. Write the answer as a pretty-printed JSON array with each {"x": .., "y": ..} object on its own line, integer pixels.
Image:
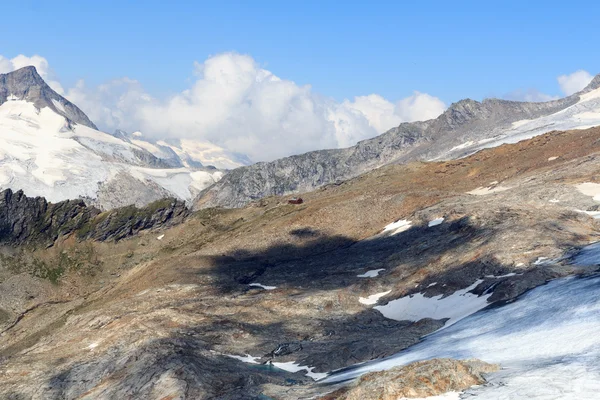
[
  {"x": 593, "y": 85},
  {"x": 27, "y": 84}
]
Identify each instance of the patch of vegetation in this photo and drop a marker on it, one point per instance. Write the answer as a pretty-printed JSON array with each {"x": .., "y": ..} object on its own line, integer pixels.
[{"x": 82, "y": 259}]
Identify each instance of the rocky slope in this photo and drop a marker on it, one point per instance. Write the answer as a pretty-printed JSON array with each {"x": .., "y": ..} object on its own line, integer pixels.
[
  {"x": 260, "y": 301},
  {"x": 461, "y": 129},
  {"x": 421, "y": 379}
]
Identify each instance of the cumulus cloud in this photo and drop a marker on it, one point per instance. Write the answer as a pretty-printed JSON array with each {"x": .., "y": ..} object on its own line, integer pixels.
[
  {"x": 242, "y": 107},
  {"x": 39, "y": 62},
  {"x": 574, "y": 82},
  {"x": 235, "y": 103}
]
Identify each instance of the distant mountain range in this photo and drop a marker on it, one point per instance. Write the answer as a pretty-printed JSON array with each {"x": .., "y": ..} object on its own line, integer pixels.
[
  {"x": 50, "y": 148},
  {"x": 464, "y": 128}
]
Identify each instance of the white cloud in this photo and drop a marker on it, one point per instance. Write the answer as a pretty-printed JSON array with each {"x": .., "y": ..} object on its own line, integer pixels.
[
  {"x": 419, "y": 107},
  {"x": 242, "y": 107},
  {"x": 574, "y": 82},
  {"x": 236, "y": 104},
  {"x": 39, "y": 62}
]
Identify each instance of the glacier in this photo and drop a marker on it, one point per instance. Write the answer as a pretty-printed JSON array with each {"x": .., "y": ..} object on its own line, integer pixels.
[{"x": 546, "y": 342}]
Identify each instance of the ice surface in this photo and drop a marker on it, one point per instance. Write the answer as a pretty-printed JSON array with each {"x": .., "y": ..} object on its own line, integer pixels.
[
  {"x": 547, "y": 343},
  {"x": 455, "y": 307},
  {"x": 371, "y": 273}
]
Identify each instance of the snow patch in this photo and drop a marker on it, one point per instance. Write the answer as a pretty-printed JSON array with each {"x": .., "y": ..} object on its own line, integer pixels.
[
  {"x": 590, "y": 189},
  {"x": 160, "y": 237},
  {"x": 482, "y": 191},
  {"x": 263, "y": 286},
  {"x": 247, "y": 358},
  {"x": 502, "y": 276},
  {"x": 371, "y": 274},
  {"x": 373, "y": 299},
  {"x": 455, "y": 307},
  {"x": 58, "y": 105},
  {"x": 593, "y": 214},
  {"x": 435, "y": 222},
  {"x": 398, "y": 226},
  {"x": 292, "y": 366},
  {"x": 552, "y": 158},
  {"x": 445, "y": 396}
]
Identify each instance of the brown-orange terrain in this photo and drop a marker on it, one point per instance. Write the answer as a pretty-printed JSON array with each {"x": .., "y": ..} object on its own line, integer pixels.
[{"x": 145, "y": 317}]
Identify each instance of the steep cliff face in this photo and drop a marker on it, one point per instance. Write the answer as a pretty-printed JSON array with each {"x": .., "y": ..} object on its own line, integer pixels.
[
  {"x": 35, "y": 221},
  {"x": 459, "y": 129},
  {"x": 26, "y": 84}
]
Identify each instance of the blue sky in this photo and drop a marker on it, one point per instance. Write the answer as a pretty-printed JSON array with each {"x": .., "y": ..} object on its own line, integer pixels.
[
  {"x": 274, "y": 78},
  {"x": 449, "y": 49}
]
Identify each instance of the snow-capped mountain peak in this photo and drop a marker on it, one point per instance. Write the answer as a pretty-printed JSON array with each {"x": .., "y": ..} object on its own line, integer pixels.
[{"x": 50, "y": 148}]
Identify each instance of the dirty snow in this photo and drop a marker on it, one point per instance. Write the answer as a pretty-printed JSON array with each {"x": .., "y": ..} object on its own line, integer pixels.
[
  {"x": 435, "y": 222},
  {"x": 247, "y": 359},
  {"x": 398, "y": 226},
  {"x": 593, "y": 214},
  {"x": 445, "y": 396},
  {"x": 263, "y": 286},
  {"x": 590, "y": 189},
  {"x": 482, "y": 191},
  {"x": 371, "y": 273},
  {"x": 455, "y": 307},
  {"x": 292, "y": 366},
  {"x": 373, "y": 299}
]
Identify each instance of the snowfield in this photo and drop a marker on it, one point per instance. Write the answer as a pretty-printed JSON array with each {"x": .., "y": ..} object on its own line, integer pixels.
[
  {"x": 455, "y": 307},
  {"x": 546, "y": 342},
  {"x": 582, "y": 115},
  {"x": 44, "y": 156}
]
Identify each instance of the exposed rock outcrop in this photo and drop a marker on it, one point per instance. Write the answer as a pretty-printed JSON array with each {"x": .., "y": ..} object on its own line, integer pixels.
[
  {"x": 417, "y": 380},
  {"x": 33, "y": 220}
]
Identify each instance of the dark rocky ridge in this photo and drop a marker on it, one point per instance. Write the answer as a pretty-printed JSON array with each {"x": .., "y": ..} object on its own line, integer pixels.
[
  {"x": 26, "y": 84},
  {"x": 462, "y": 121},
  {"x": 35, "y": 221}
]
